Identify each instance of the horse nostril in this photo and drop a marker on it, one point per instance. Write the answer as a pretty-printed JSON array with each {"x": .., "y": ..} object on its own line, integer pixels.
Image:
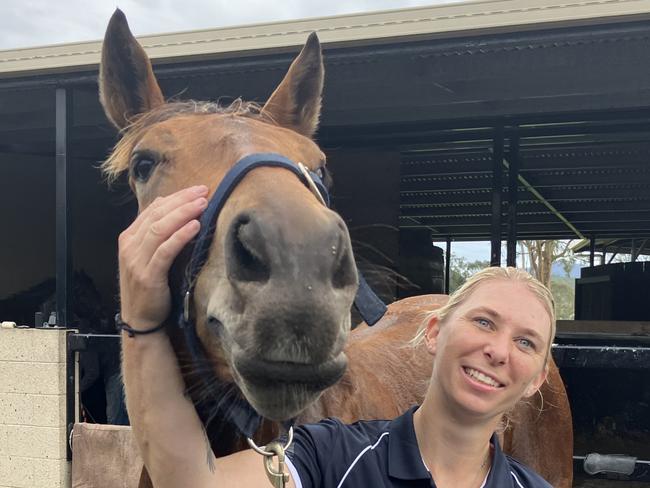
[
  {"x": 214, "y": 324},
  {"x": 345, "y": 273},
  {"x": 246, "y": 257}
]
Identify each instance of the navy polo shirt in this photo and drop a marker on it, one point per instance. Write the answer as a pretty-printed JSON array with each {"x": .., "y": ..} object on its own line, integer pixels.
[{"x": 381, "y": 453}]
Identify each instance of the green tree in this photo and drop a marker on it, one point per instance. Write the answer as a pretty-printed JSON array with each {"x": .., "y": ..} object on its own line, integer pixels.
[
  {"x": 564, "y": 294},
  {"x": 460, "y": 269}
]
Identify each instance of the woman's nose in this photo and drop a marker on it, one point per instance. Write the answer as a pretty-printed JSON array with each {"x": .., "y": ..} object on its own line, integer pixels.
[{"x": 497, "y": 349}]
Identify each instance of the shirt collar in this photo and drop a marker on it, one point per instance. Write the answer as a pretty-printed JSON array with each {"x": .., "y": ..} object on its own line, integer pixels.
[
  {"x": 405, "y": 461},
  {"x": 404, "y": 458}
]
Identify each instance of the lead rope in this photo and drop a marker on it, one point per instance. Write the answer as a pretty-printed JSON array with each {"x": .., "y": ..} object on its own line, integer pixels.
[{"x": 278, "y": 478}]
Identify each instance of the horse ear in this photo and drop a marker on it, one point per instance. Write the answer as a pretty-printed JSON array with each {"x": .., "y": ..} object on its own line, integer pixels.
[
  {"x": 296, "y": 101},
  {"x": 127, "y": 85}
]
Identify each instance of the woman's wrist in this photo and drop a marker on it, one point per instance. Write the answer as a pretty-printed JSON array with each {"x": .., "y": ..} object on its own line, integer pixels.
[{"x": 137, "y": 327}]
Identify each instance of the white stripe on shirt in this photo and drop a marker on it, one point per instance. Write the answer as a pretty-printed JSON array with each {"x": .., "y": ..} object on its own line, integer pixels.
[
  {"x": 359, "y": 457},
  {"x": 516, "y": 479},
  {"x": 294, "y": 472}
]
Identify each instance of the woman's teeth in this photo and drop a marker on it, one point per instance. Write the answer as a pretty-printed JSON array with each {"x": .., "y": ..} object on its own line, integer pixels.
[{"x": 481, "y": 378}]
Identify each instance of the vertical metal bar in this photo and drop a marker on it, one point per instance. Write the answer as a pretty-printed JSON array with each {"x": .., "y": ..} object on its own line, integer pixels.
[
  {"x": 513, "y": 178},
  {"x": 497, "y": 189},
  {"x": 592, "y": 250},
  {"x": 63, "y": 260},
  {"x": 447, "y": 265}
]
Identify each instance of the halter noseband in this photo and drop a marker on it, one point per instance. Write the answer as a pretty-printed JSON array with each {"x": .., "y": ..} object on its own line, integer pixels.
[{"x": 370, "y": 307}]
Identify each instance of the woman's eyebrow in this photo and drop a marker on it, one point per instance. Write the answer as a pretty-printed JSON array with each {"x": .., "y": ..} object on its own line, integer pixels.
[{"x": 486, "y": 310}]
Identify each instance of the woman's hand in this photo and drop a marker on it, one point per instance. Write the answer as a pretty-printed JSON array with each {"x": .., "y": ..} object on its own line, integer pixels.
[{"x": 147, "y": 249}]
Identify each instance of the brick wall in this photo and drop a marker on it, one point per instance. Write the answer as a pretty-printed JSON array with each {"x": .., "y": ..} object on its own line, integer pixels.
[{"x": 32, "y": 409}]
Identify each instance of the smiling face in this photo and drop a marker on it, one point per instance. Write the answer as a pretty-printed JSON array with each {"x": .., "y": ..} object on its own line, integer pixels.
[{"x": 491, "y": 350}]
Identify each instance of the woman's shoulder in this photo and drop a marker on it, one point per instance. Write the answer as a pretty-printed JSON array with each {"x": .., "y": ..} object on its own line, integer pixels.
[
  {"x": 525, "y": 477},
  {"x": 333, "y": 428}
]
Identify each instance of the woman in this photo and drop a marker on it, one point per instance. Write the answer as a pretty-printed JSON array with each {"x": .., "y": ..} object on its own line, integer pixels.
[{"x": 490, "y": 346}]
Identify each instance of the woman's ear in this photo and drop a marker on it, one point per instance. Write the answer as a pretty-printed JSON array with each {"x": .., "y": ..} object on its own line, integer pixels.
[
  {"x": 431, "y": 335},
  {"x": 537, "y": 382}
]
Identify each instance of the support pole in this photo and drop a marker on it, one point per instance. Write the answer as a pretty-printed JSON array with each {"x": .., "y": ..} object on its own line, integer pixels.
[
  {"x": 63, "y": 255},
  {"x": 497, "y": 189},
  {"x": 513, "y": 178},
  {"x": 447, "y": 265},
  {"x": 592, "y": 250}
]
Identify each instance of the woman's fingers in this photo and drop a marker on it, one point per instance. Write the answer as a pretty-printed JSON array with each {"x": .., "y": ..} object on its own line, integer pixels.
[
  {"x": 162, "y": 229},
  {"x": 161, "y": 207},
  {"x": 165, "y": 254}
]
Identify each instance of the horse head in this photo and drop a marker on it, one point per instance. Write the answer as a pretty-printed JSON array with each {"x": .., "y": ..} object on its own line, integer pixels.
[{"x": 272, "y": 302}]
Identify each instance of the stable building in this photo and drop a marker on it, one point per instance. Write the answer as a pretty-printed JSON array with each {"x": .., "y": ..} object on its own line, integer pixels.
[{"x": 483, "y": 120}]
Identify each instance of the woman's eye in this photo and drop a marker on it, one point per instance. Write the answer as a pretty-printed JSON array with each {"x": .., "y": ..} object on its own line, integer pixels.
[
  {"x": 143, "y": 167},
  {"x": 484, "y": 323},
  {"x": 526, "y": 343}
]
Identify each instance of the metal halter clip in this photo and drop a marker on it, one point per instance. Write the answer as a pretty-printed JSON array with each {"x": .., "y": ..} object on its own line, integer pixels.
[
  {"x": 278, "y": 478},
  {"x": 186, "y": 307},
  {"x": 310, "y": 183}
]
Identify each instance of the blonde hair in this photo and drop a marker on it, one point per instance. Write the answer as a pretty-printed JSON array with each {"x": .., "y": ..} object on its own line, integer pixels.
[{"x": 486, "y": 275}]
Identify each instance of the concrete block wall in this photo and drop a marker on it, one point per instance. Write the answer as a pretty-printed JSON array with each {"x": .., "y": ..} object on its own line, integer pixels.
[{"x": 33, "y": 409}]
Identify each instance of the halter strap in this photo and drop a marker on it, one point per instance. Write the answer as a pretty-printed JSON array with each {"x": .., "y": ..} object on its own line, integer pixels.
[{"x": 238, "y": 411}]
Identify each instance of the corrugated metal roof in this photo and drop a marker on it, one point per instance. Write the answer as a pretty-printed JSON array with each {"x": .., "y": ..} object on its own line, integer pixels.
[{"x": 466, "y": 18}]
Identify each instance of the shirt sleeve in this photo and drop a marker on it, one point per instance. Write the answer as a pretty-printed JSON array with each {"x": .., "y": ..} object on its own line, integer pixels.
[{"x": 310, "y": 452}]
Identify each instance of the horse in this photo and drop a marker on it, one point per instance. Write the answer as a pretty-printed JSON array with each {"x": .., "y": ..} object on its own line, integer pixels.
[{"x": 271, "y": 304}]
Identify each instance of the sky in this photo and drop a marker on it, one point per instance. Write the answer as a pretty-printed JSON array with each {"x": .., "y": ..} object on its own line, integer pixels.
[{"x": 28, "y": 23}]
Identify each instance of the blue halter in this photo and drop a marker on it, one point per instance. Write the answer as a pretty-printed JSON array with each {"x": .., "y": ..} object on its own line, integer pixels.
[{"x": 238, "y": 411}]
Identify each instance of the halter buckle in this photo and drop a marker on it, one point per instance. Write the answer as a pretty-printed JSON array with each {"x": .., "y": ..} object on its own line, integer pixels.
[
  {"x": 310, "y": 183},
  {"x": 186, "y": 307}
]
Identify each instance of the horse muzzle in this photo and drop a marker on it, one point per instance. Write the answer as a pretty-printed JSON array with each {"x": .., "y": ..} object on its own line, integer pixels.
[{"x": 281, "y": 390}]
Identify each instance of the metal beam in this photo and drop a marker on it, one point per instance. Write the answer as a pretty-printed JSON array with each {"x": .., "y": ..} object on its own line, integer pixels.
[
  {"x": 513, "y": 178},
  {"x": 447, "y": 265},
  {"x": 63, "y": 255},
  {"x": 586, "y": 207},
  {"x": 576, "y": 193},
  {"x": 497, "y": 189},
  {"x": 561, "y": 179}
]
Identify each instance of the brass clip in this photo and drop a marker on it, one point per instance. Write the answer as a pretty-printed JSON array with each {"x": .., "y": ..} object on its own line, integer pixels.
[{"x": 278, "y": 478}]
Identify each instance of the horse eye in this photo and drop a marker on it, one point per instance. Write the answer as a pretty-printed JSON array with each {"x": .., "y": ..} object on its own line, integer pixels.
[
  {"x": 321, "y": 172},
  {"x": 142, "y": 167}
]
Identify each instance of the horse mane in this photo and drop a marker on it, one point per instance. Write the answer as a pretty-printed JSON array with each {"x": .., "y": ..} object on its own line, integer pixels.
[{"x": 118, "y": 161}]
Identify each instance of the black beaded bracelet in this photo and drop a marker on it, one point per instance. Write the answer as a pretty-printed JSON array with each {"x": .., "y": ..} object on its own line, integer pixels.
[{"x": 120, "y": 324}]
